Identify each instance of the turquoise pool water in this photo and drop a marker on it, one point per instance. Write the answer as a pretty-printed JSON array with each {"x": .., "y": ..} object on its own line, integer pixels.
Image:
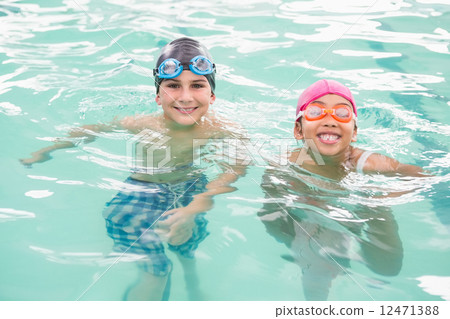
[{"x": 67, "y": 63}]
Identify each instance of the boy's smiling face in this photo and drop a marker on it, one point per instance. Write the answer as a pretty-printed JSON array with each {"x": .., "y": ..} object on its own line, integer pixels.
[
  {"x": 330, "y": 136},
  {"x": 186, "y": 98}
]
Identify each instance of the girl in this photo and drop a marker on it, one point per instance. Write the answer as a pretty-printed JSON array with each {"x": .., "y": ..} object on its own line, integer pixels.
[{"x": 327, "y": 123}]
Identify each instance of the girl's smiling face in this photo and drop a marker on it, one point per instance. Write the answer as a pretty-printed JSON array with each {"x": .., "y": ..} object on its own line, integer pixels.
[
  {"x": 185, "y": 99},
  {"x": 331, "y": 137}
]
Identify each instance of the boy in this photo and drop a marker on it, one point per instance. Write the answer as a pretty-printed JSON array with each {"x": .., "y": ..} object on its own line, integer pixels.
[{"x": 170, "y": 196}]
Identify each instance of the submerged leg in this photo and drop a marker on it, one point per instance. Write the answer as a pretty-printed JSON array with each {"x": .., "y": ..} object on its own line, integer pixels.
[
  {"x": 147, "y": 287},
  {"x": 191, "y": 278},
  {"x": 317, "y": 283}
]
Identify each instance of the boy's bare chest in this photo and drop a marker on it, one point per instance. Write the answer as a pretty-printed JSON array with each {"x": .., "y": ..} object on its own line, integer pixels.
[{"x": 175, "y": 149}]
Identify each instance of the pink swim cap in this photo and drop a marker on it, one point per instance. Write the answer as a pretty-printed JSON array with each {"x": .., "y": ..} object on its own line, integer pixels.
[{"x": 321, "y": 88}]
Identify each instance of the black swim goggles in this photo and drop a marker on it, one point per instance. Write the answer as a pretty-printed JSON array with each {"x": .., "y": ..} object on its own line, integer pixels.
[{"x": 171, "y": 68}]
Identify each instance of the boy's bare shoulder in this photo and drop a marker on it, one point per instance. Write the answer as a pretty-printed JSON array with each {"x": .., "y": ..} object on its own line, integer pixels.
[
  {"x": 224, "y": 128},
  {"x": 137, "y": 123}
]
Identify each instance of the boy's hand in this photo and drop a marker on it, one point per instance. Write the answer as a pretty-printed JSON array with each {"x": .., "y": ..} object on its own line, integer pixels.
[
  {"x": 178, "y": 227},
  {"x": 44, "y": 154},
  {"x": 36, "y": 158}
]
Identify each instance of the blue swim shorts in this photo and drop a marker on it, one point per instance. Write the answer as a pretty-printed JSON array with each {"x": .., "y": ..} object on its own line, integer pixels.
[{"x": 132, "y": 214}]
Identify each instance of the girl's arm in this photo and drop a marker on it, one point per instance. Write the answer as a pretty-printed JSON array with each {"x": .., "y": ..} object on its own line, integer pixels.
[{"x": 378, "y": 163}]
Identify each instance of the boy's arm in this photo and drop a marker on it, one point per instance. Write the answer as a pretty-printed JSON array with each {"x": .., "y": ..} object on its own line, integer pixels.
[
  {"x": 87, "y": 133},
  {"x": 378, "y": 163},
  {"x": 233, "y": 167},
  {"x": 177, "y": 228},
  {"x": 221, "y": 185}
]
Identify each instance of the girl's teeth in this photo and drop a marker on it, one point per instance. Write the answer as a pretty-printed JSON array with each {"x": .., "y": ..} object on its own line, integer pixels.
[{"x": 328, "y": 137}]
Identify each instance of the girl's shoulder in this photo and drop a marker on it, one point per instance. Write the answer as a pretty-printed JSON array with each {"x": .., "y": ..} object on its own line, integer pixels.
[
  {"x": 371, "y": 162},
  {"x": 359, "y": 158}
]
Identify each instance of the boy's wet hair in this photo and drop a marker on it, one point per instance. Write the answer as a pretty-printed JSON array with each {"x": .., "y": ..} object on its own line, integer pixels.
[{"x": 183, "y": 50}]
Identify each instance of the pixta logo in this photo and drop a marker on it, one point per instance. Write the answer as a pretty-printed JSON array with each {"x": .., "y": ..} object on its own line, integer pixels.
[{"x": 148, "y": 152}]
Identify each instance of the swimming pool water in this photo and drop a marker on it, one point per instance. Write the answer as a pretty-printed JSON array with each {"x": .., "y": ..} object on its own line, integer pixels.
[{"x": 66, "y": 63}]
